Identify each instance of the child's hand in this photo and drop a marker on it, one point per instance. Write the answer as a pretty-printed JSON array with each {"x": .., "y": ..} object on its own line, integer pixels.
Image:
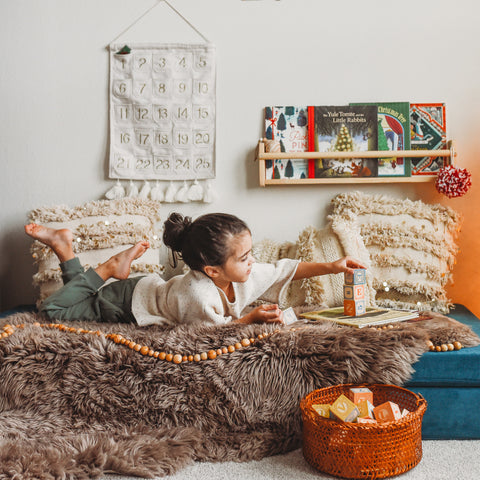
[
  {"x": 265, "y": 314},
  {"x": 346, "y": 265}
]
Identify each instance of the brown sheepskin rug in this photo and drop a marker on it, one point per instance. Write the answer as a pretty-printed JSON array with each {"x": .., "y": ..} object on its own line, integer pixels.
[{"x": 78, "y": 405}]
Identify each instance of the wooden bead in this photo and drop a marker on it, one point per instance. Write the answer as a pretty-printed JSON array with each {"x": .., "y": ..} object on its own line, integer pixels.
[
  {"x": 177, "y": 358},
  {"x": 260, "y": 336},
  {"x": 224, "y": 350},
  {"x": 204, "y": 355},
  {"x": 245, "y": 342},
  {"x": 219, "y": 351},
  {"x": 431, "y": 348},
  {"x": 238, "y": 346},
  {"x": 137, "y": 347},
  {"x": 231, "y": 349},
  {"x": 212, "y": 354},
  {"x": 190, "y": 358},
  {"x": 196, "y": 357},
  {"x": 169, "y": 357},
  {"x": 429, "y": 344},
  {"x": 457, "y": 345},
  {"x": 144, "y": 350},
  {"x": 252, "y": 340},
  {"x": 184, "y": 358},
  {"x": 162, "y": 355},
  {"x": 444, "y": 347},
  {"x": 150, "y": 352},
  {"x": 450, "y": 346},
  {"x": 131, "y": 344},
  {"x": 156, "y": 354},
  {"x": 438, "y": 348}
]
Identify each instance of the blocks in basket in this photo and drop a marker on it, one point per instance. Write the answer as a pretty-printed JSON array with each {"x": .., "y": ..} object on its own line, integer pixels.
[
  {"x": 365, "y": 408},
  {"x": 366, "y": 420},
  {"x": 387, "y": 412},
  {"x": 344, "y": 409},
  {"x": 356, "y": 394},
  {"x": 322, "y": 409}
]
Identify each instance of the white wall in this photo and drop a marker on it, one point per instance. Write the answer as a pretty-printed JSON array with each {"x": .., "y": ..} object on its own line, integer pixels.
[{"x": 54, "y": 95}]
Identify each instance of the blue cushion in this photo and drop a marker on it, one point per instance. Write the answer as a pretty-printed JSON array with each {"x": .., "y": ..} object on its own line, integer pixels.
[{"x": 456, "y": 368}]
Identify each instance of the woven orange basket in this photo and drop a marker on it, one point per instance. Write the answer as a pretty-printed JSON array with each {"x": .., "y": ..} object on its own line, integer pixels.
[{"x": 352, "y": 450}]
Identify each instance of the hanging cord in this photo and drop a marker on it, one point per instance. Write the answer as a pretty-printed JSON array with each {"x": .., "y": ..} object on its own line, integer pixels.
[{"x": 149, "y": 10}]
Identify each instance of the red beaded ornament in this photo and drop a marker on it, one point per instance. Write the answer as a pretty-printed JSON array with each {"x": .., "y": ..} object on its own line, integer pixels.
[{"x": 453, "y": 181}]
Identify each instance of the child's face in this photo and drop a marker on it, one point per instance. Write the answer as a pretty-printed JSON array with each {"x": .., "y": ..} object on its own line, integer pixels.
[{"x": 238, "y": 266}]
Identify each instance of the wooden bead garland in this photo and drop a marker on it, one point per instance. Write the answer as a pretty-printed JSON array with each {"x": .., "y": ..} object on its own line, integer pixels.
[
  {"x": 444, "y": 347},
  {"x": 176, "y": 358}
]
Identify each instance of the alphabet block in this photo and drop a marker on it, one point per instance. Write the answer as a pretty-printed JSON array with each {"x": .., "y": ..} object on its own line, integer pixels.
[
  {"x": 357, "y": 394},
  {"x": 387, "y": 412},
  {"x": 366, "y": 420},
  {"x": 358, "y": 277},
  {"x": 344, "y": 409},
  {"x": 365, "y": 408},
  {"x": 354, "y": 308},
  {"x": 354, "y": 292},
  {"x": 322, "y": 409}
]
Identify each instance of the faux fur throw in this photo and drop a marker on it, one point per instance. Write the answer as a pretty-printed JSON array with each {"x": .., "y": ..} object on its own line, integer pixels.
[{"x": 77, "y": 405}]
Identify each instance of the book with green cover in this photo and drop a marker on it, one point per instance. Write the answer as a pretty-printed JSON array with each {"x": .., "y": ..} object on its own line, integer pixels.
[
  {"x": 373, "y": 316},
  {"x": 393, "y": 134},
  {"x": 345, "y": 128}
]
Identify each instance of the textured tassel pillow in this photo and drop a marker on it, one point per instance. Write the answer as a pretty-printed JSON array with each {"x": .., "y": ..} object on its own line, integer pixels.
[
  {"x": 412, "y": 247},
  {"x": 100, "y": 230}
]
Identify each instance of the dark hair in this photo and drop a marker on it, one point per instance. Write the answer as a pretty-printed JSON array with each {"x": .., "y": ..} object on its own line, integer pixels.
[{"x": 201, "y": 242}]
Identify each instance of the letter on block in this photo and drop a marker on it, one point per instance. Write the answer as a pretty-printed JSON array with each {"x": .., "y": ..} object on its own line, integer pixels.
[
  {"x": 387, "y": 412},
  {"x": 356, "y": 278},
  {"x": 322, "y": 409},
  {"x": 344, "y": 409},
  {"x": 354, "y": 292},
  {"x": 353, "y": 308},
  {"x": 358, "y": 394}
]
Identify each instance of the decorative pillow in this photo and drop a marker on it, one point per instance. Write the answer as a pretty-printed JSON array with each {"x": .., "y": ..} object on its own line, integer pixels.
[
  {"x": 100, "y": 229},
  {"x": 412, "y": 247}
]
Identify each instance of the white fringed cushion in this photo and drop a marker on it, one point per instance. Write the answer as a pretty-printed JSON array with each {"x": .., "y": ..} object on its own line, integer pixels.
[
  {"x": 100, "y": 229},
  {"x": 412, "y": 247}
]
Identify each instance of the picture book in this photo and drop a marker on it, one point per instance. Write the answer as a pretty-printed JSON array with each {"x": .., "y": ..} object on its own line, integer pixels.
[
  {"x": 343, "y": 129},
  {"x": 373, "y": 316},
  {"x": 427, "y": 132},
  {"x": 288, "y": 125},
  {"x": 393, "y": 120}
]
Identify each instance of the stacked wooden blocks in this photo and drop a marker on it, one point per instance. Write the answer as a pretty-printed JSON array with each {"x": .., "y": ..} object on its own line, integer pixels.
[{"x": 354, "y": 302}]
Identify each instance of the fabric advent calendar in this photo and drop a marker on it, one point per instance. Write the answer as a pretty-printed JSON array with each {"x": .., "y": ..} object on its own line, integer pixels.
[{"x": 162, "y": 111}]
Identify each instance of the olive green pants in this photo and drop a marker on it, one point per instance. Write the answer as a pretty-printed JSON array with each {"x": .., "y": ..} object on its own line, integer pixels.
[{"x": 84, "y": 296}]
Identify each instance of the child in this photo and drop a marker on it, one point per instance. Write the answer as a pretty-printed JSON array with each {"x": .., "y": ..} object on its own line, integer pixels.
[{"x": 223, "y": 279}]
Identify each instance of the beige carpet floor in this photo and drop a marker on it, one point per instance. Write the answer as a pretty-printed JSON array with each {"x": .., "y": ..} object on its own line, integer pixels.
[{"x": 442, "y": 460}]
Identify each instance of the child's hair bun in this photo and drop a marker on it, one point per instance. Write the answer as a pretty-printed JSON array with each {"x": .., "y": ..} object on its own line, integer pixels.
[{"x": 175, "y": 230}]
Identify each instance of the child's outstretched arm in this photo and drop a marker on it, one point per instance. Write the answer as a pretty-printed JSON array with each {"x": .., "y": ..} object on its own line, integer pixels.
[{"x": 342, "y": 265}]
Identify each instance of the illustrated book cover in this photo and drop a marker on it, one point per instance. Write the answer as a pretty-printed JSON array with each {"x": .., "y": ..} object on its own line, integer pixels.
[
  {"x": 288, "y": 125},
  {"x": 372, "y": 317},
  {"x": 393, "y": 120},
  {"x": 343, "y": 129},
  {"x": 428, "y": 132}
]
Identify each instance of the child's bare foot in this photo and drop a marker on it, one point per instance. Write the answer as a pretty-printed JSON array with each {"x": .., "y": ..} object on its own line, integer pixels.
[
  {"x": 60, "y": 241},
  {"x": 118, "y": 266}
]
